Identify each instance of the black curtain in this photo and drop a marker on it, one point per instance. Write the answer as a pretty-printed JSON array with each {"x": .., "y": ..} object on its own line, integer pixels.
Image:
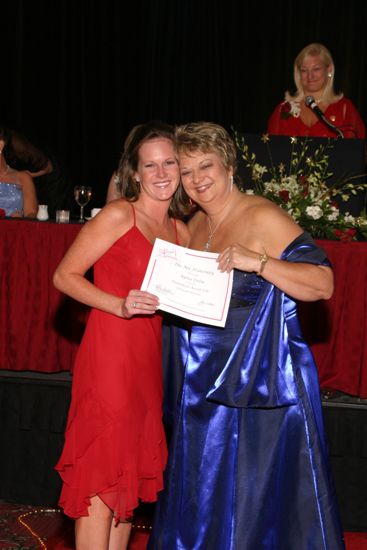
[{"x": 78, "y": 74}]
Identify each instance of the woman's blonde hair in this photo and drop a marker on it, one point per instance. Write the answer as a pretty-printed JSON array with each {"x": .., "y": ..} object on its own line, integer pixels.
[
  {"x": 314, "y": 49},
  {"x": 207, "y": 137}
]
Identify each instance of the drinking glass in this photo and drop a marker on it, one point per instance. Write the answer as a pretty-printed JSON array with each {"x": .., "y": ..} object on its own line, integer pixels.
[{"x": 82, "y": 195}]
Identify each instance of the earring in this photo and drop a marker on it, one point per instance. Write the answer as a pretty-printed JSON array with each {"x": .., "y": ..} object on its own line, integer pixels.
[
  {"x": 231, "y": 183},
  {"x": 330, "y": 75}
]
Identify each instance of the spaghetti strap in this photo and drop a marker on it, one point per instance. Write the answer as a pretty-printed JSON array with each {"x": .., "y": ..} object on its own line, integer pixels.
[
  {"x": 134, "y": 216},
  {"x": 174, "y": 221}
]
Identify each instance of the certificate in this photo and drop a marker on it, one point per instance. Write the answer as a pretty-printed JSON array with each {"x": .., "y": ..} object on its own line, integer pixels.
[{"x": 188, "y": 283}]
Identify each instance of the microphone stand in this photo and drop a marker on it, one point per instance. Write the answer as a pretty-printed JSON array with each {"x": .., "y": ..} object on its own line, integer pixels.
[
  {"x": 311, "y": 104},
  {"x": 329, "y": 124},
  {"x": 338, "y": 131}
]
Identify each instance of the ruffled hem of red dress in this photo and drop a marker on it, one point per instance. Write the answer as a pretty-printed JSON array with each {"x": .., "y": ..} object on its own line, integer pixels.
[
  {"x": 122, "y": 467},
  {"x": 122, "y": 502}
]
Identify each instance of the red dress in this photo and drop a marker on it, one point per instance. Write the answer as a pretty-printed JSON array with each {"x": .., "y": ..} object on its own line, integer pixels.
[
  {"x": 114, "y": 443},
  {"x": 342, "y": 114}
]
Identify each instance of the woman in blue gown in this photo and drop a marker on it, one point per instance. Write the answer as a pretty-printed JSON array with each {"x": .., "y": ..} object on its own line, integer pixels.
[
  {"x": 17, "y": 192},
  {"x": 248, "y": 466}
]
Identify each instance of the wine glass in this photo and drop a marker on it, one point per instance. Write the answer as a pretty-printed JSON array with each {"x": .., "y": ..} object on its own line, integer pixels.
[{"x": 82, "y": 195}]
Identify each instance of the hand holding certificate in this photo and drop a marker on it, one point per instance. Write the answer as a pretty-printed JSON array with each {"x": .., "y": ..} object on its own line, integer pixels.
[{"x": 188, "y": 283}]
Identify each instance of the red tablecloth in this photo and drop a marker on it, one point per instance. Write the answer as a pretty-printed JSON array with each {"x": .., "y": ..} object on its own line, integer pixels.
[
  {"x": 337, "y": 329},
  {"x": 40, "y": 328}
]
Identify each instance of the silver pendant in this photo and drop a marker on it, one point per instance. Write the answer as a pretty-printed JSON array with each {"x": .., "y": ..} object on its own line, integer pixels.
[{"x": 208, "y": 243}]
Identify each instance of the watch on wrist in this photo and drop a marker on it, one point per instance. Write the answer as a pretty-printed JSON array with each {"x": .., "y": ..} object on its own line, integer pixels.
[{"x": 263, "y": 258}]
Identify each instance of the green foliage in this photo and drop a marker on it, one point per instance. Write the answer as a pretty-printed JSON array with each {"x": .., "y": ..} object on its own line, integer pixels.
[{"x": 303, "y": 192}]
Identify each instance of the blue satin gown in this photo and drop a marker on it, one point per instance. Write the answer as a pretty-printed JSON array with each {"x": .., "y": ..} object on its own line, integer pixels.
[{"x": 248, "y": 466}]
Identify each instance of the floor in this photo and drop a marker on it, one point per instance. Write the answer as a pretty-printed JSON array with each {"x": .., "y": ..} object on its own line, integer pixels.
[{"x": 31, "y": 528}]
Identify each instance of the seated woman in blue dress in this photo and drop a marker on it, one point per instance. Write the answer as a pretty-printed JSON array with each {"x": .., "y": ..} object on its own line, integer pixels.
[
  {"x": 248, "y": 466},
  {"x": 17, "y": 192}
]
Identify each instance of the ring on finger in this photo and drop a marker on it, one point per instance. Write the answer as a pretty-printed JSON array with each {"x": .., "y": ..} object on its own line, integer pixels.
[{"x": 135, "y": 305}]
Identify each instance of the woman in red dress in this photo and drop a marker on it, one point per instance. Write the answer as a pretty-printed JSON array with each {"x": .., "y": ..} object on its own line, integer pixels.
[
  {"x": 314, "y": 76},
  {"x": 115, "y": 449}
]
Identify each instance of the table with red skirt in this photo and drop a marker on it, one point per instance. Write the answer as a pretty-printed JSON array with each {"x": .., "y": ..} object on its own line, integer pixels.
[{"x": 40, "y": 328}]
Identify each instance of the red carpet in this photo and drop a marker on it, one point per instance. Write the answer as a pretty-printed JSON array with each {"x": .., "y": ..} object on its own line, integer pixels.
[{"x": 33, "y": 528}]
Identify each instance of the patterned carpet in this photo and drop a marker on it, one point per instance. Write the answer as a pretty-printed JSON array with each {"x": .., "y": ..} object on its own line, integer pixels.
[{"x": 25, "y": 527}]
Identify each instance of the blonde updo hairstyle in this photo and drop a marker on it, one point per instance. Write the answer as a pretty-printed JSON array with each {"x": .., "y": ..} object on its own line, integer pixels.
[
  {"x": 207, "y": 137},
  {"x": 314, "y": 49}
]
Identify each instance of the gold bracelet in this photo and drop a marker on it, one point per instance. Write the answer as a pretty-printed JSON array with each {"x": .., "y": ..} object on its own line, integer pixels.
[{"x": 263, "y": 258}]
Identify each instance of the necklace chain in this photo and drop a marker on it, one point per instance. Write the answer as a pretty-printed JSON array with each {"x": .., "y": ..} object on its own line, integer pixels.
[{"x": 212, "y": 231}]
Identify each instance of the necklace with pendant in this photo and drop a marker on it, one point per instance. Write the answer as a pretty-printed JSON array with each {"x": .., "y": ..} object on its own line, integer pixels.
[{"x": 212, "y": 231}]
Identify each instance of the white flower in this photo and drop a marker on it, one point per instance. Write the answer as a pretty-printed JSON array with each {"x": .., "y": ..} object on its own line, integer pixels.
[
  {"x": 348, "y": 218},
  {"x": 334, "y": 214},
  {"x": 258, "y": 171},
  {"x": 315, "y": 212},
  {"x": 295, "y": 108}
]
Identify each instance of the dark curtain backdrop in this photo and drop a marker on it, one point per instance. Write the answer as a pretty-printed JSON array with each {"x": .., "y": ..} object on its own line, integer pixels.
[{"x": 78, "y": 74}]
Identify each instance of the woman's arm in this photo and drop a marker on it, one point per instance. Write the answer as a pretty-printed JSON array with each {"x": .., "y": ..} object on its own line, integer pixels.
[
  {"x": 276, "y": 231},
  {"x": 95, "y": 238},
  {"x": 30, "y": 202},
  {"x": 113, "y": 191},
  {"x": 353, "y": 121},
  {"x": 42, "y": 171}
]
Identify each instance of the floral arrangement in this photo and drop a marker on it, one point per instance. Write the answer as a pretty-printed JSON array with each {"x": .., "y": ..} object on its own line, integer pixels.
[
  {"x": 303, "y": 192},
  {"x": 290, "y": 108}
]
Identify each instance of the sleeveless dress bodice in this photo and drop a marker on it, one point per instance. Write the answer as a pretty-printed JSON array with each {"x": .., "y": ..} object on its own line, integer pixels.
[
  {"x": 246, "y": 288},
  {"x": 11, "y": 198}
]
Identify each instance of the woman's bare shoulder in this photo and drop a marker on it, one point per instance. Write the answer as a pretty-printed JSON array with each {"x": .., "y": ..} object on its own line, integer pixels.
[
  {"x": 118, "y": 209},
  {"x": 270, "y": 224},
  {"x": 23, "y": 177},
  {"x": 258, "y": 208},
  {"x": 116, "y": 216}
]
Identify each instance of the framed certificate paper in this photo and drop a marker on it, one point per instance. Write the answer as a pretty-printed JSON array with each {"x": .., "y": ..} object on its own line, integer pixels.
[{"x": 188, "y": 283}]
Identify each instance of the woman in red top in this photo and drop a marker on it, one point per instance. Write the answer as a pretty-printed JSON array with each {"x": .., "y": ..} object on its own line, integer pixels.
[{"x": 314, "y": 76}]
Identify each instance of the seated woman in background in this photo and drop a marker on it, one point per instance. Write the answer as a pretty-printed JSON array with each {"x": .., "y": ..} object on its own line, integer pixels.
[
  {"x": 314, "y": 77},
  {"x": 17, "y": 191},
  {"x": 48, "y": 172}
]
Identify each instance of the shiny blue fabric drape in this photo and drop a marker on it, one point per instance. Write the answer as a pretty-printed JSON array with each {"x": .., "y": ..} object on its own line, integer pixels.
[{"x": 248, "y": 466}]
